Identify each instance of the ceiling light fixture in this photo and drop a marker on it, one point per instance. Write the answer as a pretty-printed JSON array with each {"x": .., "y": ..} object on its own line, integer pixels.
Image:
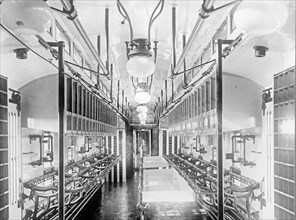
[
  {"x": 142, "y": 115},
  {"x": 260, "y": 17},
  {"x": 26, "y": 17},
  {"x": 260, "y": 51},
  {"x": 143, "y": 121},
  {"x": 140, "y": 62},
  {"x": 21, "y": 53},
  {"x": 142, "y": 95},
  {"x": 142, "y": 109}
]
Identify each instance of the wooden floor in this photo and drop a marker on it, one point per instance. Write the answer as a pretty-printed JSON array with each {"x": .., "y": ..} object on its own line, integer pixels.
[{"x": 118, "y": 202}]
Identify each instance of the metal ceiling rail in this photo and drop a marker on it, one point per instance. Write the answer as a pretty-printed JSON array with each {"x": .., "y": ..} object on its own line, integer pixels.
[
  {"x": 84, "y": 36},
  {"x": 191, "y": 39},
  {"x": 206, "y": 8},
  {"x": 153, "y": 16},
  {"x": 125, "y": 15},
  {"x": 233, "y": 45}
]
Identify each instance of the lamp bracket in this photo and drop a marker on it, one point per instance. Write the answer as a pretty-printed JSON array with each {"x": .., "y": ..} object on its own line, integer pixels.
[
  {"x": 205, "y": 11},
  {"x": 142, "y": 87},
  {"x": 71, "y": 13},
  {"x": 50, "y": 45}
]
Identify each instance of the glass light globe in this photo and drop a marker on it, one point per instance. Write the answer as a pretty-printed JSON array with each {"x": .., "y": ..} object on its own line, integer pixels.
[
  {"x": 260, "y": 17},
  {"x": 140, "y": 66},
  {"x": 142, "y": 109},
  {"x": 26, "y": 17},
  {"x": 142, "y": 97},
  {"x": 142, "y": 118},
  {"x": 142, "y": 115}
]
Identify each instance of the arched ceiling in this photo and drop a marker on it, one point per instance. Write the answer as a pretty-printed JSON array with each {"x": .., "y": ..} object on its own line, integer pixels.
[{"x": 92, "y": 16}]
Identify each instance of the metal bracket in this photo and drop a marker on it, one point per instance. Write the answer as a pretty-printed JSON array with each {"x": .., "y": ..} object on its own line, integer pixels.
[
  {"x": 205, "y": 12},
  {"x": 266, "y": 97},
  {"x": 71, "y": 14},
  {"x": 16, "y": 99}
]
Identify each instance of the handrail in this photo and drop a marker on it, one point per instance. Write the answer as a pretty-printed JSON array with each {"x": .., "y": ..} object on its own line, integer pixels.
[
  {"x": 75, "y": 194},
  {"x": 204, "y": 186}
]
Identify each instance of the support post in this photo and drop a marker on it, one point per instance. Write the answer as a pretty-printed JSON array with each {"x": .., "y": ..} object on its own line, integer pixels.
[
  {"x": 126, "y": 106},
  {"x": 184, "y": 62},
  {"x": 111, "y": 83},
  {"x": 172, "y": 100},
  {"x": 161, "y": 101},
  {"x": 166, "y": 93},
  {"x": 122, "y": 100},
  {"x": 174, "y": 37},
  {"x": 158, "y": 109},
  {"x": 219, "y": 105},
  {"x": 118, "y": 90},
  {"x": 107, "y": 36},
  {"x": 61, "y": 102},
  {"x": 219, "y": 109},
  {"x": 99, "y": 54}
]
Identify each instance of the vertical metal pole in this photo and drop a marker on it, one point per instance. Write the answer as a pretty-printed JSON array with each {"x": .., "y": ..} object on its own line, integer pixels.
[
  {"x": 111, "y": 84},
  {"x": 122, "y": 100},
  {"x": 220, "y": 131},
  {"x": 166, "y": 93},
  {"x": 118, "y": 89},
  {"x": 155, "y": 110},
  {"x": 294, "y": 135},
  {"x": 107, "y": 35},
  {"x": 161, "y": 100},
  {"x": 184, "y": 62},
  {"x": 99, "y": 53},
  {"x": 174, "y": 47},
  {"x": 128, "y": 109},
  {"x": 61, "y": 103},
  {"x": 126, "y": 105},
  {"x": 172, "y": 89},
  {"x": 158, "y": 109},
  {"x": 174, "y": 36}
]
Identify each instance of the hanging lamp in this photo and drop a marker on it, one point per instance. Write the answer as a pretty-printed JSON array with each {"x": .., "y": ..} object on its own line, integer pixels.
[
  {"x": 142, "y": 95},
  {"x": 260, "y": 17},
  {"x": 26, "y": 17}
]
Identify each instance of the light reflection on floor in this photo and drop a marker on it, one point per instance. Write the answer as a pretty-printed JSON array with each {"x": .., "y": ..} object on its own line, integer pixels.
[{"x": 118, "y": 202}]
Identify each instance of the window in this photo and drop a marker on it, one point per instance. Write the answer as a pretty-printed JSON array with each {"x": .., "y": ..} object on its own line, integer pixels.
[
  {"x": 104, "y": 89},
  {"x": 195, "y": 71},
  {"x": 89, "y": 73},
  {"x": 62, "y": 36},
  {"x": 78, "y": 57},
  {"x": 208, "y": 92},
  {"x": 75, "y": 98},
  {"x": 232, "y": 25},
  {"x": 220, "y": 34},
  {"x": 70, "y": 153},
  {"x": 206, "y": 54},
  {"x": 50, "y": 31},
  {"x": 69, "y": 94}
]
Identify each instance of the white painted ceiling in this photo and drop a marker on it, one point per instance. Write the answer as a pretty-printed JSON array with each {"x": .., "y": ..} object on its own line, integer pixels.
[
  {"x": 242, "y": 62},
  {"x": 91, "y": 14}
]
